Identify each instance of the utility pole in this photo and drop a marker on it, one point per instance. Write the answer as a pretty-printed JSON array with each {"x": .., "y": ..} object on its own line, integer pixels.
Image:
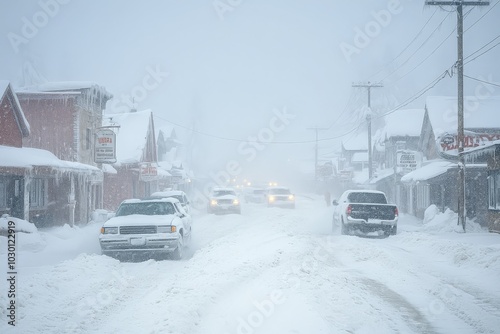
[
  {"x": 368, "y": 87},
  {"x": 460, "y": 98},
  {"x": 316, "y": 151}
]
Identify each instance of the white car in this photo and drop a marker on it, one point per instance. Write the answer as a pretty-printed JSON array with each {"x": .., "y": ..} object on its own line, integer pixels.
[
  {"x": 280, "y": 196},
  {"x": 179, "y": 194},
  {"x": 223, "y": 200},
  {"x": 154, "y": 226}
]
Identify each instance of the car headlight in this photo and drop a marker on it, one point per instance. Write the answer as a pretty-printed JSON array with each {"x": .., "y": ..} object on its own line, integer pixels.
[
  {"x": 291, "y": 197},
  {"x": 109, "y": 230},
  {"x": 236, "y": 202},
  {"x": 213, "y": 202},
  {"x": 271, "y": 198},
  {"x": 166, "y": 229}
]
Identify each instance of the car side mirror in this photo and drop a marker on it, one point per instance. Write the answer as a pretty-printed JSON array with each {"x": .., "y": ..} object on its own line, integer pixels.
[{"x": 335, "y": 203}]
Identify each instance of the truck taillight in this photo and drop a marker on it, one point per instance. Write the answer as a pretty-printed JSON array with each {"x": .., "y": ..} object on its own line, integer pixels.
[
  {"x": 348, "y": 210},
  {"x": 396, "y": 212}
]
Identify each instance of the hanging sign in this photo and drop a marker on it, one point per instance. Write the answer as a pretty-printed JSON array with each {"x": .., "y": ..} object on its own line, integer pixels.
[
  {"x": 148, "y": 172},
  {"x": 105, "y": 147}
]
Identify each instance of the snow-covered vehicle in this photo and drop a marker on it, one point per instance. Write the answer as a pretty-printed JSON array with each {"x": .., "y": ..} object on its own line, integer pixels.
[
  {"x": 179, "y": 194},
  {"x": 280, "y": 196},
  {"x": 153, "y": 226},
  {"x": 365, "y": 211},
  {"x": 223, "y": 200}
]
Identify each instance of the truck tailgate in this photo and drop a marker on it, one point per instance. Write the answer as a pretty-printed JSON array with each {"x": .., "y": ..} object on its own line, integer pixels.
[{"x": 373, "y": 211}]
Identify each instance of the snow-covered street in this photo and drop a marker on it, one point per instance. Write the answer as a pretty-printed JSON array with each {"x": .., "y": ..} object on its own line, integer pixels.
[{"x": 269, "y": 270}]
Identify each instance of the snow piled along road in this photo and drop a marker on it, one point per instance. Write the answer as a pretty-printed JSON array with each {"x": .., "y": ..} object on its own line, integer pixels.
[{"x": 269, "y": 270}]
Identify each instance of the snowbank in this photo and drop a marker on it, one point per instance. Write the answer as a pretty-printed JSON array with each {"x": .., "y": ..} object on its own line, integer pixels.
[
  {"x": 20, "y": 225},
  {"x": 441, "y": 222}
]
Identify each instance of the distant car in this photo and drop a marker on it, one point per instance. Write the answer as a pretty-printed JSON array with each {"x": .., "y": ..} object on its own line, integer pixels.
[
  {"x": 365, "y": 211},
  {"x": 223, "y": 200},
  {"x": 153, "y": 226},
  {"x": 179, "y": 194},
  {"x": 255, "y": 195},
  {"x": 280, "y": 196}
]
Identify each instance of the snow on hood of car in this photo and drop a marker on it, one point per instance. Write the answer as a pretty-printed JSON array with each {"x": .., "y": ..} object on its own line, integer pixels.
[
  {"x": 226, "y": 197},
  {"x": 140, "y": 220}
]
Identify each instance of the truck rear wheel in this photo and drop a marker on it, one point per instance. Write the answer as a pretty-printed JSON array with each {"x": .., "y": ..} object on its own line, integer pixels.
[{"x": 343, "y": 229}]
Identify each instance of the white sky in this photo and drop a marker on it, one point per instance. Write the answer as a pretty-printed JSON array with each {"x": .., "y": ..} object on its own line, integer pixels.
[{"x": 229, "y": 73}]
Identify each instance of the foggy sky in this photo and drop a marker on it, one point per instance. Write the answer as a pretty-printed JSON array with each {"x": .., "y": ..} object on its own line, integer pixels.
[{"x": 232, "y": 64}]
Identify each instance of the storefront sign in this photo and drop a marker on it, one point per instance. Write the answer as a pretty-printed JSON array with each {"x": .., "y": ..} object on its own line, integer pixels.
[
  {"x": 408, "y": 161},
  {"x": 148, "y": 172},
  {"x": 105, "y": 147},
  {"x": 449, "y": 142}
]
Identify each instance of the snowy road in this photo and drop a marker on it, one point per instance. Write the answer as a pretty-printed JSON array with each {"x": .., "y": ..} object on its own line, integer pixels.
[{"x": 269, "y": 270}]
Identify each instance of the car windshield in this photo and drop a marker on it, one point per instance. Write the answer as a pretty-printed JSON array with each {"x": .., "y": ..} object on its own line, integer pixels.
[
  {"x": 279, "y": 191},
  {"x": 218, "y": 193},
  {"x": 367, "y": 198},
  {"x": 145, "y": 208}
]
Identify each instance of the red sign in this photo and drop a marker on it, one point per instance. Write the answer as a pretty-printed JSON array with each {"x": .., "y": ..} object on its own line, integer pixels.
[
  {"x": 105, "y": 147},
  {"x": 450, "y": 142},
  {"x": 148, "y": 172}
]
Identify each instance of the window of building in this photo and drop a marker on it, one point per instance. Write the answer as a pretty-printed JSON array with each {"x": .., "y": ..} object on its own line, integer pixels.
[
  {"x": 38, "y": 193},
  {"x": 491, "y": 191},
  {"x": 497, "y": 190},
  {"x": 3, "y": 195},
  {"x": 88, "y": 139},
  {"x": 494, "y": 191}
]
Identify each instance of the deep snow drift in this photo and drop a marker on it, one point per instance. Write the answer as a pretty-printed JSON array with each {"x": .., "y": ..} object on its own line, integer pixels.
[{"x": 269, "y": 270}]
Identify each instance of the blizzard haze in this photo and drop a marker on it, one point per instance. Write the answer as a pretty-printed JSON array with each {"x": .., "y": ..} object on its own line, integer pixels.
[{"x": 222, "y": 67}]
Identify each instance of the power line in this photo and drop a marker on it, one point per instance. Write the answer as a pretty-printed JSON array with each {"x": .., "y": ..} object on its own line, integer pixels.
[
  {"x": 479, "y": 19},
  {"x": 344, "y": 110},
  {"x": 407, "y": 46},
  {"x": 481, "y": 49},
  {"x": 428, "y": 87},
  {"x": 483, "y": 81},
  {"x": 419, "y": 64},
  {"x": 417, "y": 50}
]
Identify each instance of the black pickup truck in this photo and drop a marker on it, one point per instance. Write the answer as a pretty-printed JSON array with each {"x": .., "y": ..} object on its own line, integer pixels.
[{"x": 365, "y": 211}]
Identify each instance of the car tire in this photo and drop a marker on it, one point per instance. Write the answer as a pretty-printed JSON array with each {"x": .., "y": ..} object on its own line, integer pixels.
[
  {"x": 179, "y": 251},
  {"x": 394, "y": 230},
  {"x": 343, "y": 228}
]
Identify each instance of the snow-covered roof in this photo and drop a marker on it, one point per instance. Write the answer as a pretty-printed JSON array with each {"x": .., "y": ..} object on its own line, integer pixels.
[
  {"x": 27, "y": 157},
  {"x": 432, "y": 169},
  {"x": 65, "y": 87},
  {"x": 405, "y": 122},
  {"x": 360, "y": 157},
  {"x": 107, "y": 168},
  {"x": 357, "y": 142},
  {"x": 5, "y": 86},
  {"x": 132, "y": 134},
  {"x": 162, "y": 173},
  {"x": 478, "y": 113},
  {"x": 382, "y": 175}
]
